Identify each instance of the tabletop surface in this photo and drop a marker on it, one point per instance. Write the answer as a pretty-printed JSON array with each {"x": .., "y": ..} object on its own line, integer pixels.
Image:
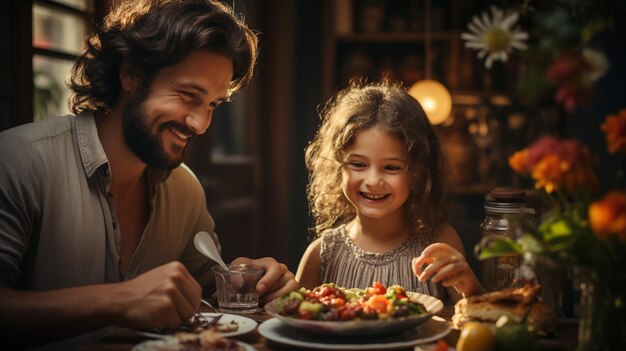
[{"x": 125, "y": 339}]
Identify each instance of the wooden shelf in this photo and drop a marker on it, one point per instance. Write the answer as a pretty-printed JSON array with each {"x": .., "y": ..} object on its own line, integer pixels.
[
  {"x": 472, "y": 189},
  {"x": 397, "y": 37},
  {"x": 478, "y": 97}
]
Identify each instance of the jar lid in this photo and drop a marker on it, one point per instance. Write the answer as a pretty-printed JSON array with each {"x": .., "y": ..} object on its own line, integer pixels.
[
  {"x": 508, "y": 194},
  {"x": 508, "y": 200}
]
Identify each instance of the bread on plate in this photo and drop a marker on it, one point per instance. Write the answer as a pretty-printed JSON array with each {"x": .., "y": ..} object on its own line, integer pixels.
[{"x": 512, "y": 302}]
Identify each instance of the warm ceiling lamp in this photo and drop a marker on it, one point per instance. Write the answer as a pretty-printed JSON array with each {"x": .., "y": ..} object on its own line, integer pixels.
[
  {"x": 432, "y": 95},
  {"x": 434, "y": 98}
]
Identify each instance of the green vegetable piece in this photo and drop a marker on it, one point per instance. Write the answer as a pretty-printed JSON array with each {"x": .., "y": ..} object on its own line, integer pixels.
[
  {"x": 310, "y": 306},
  {"x": 296, "y": 295}
]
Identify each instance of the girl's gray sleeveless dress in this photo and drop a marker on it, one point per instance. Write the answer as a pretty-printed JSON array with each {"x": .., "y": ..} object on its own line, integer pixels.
[{"x": 343, "y": 263}]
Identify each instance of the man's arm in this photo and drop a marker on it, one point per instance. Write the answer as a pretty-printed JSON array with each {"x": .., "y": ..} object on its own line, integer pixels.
[{"x": 162, "y": 298}]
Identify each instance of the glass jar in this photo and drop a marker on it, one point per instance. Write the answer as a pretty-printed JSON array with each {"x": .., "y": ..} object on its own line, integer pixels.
[{"x": 501, "y": 206}]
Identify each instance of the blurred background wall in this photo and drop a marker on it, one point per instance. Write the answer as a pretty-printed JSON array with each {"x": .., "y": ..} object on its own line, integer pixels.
[{"x": 251, "y": 163}]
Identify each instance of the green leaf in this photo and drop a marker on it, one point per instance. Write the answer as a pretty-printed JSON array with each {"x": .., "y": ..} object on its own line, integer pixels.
[
  {"x": 529, "y": 243},
  {"x": 557, "y": 229},
  {"x": 497, "y": 246}
]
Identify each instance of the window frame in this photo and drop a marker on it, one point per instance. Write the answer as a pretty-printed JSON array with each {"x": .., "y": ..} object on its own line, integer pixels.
[{"x": 84, "y": 16}]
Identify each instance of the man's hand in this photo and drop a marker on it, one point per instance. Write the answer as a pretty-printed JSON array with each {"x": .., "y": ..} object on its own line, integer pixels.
[
  {"x": 162, "y": 298},
  {"x": 276, "y": 282}
]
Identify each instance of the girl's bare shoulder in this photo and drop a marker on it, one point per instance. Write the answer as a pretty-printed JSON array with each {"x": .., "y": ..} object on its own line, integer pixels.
[{"x": 445, "y": 233}]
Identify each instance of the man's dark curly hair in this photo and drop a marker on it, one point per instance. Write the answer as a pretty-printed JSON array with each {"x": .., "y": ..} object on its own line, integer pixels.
[{"x": 152, "y": 34}]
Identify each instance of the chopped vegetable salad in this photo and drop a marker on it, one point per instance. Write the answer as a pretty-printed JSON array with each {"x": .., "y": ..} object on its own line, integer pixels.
[{"x": 328, "y": 302}]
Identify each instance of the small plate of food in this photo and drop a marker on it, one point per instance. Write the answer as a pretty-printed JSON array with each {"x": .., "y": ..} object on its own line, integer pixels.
[
  {"x": 231, "y": 324},
  {"x": 371, "y": 312},
  {"x": 227, "y": 324},
  {"x": 206, "y": 340}
]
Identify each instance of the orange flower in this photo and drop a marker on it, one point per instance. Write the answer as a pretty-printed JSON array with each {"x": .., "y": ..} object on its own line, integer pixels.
[
  {"x": 615, "y": 129},
  {"x": 607, "y": 216},
  {"x": 519, "y": 161},
  {"x": 553, "y": 164},
  {"x": 549, "y": 172}
]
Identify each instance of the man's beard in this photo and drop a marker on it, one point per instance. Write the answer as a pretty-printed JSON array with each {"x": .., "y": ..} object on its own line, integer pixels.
[{"x": 138, "y": 136}]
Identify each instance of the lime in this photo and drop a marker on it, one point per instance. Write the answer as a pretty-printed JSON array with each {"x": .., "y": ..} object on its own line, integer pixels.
[{"x": 515, "y": 336}]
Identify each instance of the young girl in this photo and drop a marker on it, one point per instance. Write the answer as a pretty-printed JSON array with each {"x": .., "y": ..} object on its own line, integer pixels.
[{"x": 376, "y": 193}]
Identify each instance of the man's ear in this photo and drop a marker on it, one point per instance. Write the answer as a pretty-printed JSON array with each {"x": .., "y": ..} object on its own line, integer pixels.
[{"x": 130, "y": 76}]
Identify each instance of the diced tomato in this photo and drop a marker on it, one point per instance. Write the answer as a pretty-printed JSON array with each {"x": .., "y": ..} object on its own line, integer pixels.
[
  {"x": 305, "y": 314},
  {"x": 378, "y": 303},
  {"x": 379, "y": 288},
  {"x": 347, "y": 314},
  {"x": 442, "y": 345},
  {"x": 327, "y": 290},
  {"x": 339, "y": 293},
  {"x": 396, "y": 291},
  {"x": 338, "y": 301}
]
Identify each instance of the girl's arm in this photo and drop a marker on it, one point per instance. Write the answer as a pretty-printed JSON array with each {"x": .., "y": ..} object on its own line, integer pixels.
[
  {"x": 447, "y": 264},
  {"x": 308, "y": 274}
]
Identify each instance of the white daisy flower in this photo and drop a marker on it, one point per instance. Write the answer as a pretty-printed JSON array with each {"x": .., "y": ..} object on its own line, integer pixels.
[
  {"x": 495, "y": 37},
  {"x": 598, "y": 63}
]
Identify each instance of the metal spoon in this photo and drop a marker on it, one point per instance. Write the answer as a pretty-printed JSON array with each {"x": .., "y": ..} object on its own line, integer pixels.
[
  {"x": 205, "y": 244},
  {"x": 207, "y": 303}
]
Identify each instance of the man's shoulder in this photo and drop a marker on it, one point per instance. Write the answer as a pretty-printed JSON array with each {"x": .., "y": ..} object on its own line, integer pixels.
[
  {"x": 32, "y": 132},
  {"x": 35, "y": 142},
  {"x": 32, "y": 153},
  {"x": 183, "y": 180},
  {"x": 183, "y": 173}
]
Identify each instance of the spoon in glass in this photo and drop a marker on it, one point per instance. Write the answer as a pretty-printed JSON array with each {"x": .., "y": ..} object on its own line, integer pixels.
[
  {"x": 205, "y": 244},
  {"x": 208, "y": 304}
]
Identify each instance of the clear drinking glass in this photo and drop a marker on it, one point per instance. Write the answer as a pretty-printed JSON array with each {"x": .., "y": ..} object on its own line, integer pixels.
[{"x": 236, "y": 287}]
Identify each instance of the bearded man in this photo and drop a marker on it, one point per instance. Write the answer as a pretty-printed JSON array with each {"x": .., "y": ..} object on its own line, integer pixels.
[{"x": 97, "y": 213}]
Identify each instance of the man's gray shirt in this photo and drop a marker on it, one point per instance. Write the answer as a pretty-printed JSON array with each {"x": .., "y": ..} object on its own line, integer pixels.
[{"x": 58, "y": 225}]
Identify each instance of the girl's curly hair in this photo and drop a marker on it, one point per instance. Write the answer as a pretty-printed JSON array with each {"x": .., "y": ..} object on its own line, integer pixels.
[
  {"x": 359, "y": 107},
  {"x": 152, "y": 34}
]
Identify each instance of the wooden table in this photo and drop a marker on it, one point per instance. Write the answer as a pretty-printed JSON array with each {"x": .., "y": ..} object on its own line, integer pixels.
[{"x": 125, "y": 339}]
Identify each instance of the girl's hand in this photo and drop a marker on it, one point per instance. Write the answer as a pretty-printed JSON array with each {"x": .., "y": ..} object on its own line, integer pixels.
[{"x": 447, "y": 265}]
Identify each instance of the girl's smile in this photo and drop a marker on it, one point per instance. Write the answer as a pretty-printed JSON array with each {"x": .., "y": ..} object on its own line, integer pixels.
[{"x": 374, "y": 197}]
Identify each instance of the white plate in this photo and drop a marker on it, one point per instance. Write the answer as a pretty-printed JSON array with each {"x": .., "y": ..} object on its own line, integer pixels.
[
  {"x": 429, "y": 331},
  {"x": 246, "y": 324},
  {"x": 171, "y": 343},
  {"x": 354, "y": 328}
]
